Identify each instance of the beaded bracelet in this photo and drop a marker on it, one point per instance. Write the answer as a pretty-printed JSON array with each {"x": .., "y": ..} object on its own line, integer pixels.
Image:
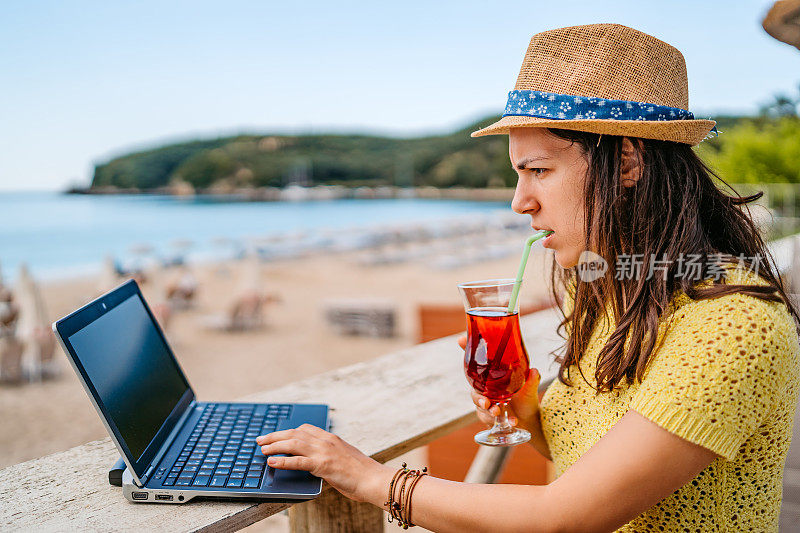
[
  {"x": 401, "y": 521},
  {"x": 397, "y": 502},
  {"x": 391, "y": 503},
  {"x": 400, "y": 508},
  {"x": 407, "y": 505}
]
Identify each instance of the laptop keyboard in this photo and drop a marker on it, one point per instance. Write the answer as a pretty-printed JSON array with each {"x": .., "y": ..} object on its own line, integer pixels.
[{"x": 222, "y": 451}]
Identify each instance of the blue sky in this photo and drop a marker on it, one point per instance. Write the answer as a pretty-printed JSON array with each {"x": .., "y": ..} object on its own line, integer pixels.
[{"x": 81, "y": 81}]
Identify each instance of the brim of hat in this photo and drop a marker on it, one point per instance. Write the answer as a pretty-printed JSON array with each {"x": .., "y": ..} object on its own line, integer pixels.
[{"x": 682, "y": 131}]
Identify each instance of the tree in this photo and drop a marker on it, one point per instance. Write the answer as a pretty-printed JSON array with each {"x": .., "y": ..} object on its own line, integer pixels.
[
  {"x": 758, "y": 151},
  {"x": 203, "y": 169},
  {"x": 782, "y": 105}
]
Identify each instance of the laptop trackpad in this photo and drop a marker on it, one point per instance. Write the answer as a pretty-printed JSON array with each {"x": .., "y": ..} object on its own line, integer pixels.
[
  {"x": 297, "y": 481},
  {"x": 285, "y": 478}
]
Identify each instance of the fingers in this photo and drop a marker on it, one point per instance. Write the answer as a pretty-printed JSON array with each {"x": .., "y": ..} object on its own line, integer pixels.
[
  {"x": 483, "y": 403},
  {"x": 302, "y": 444},
  {"x": 525, "y": 404},
  {"x": 303, "y": 440},
  {"x": 291, "y": 463},
  {"x": 316, "y": 431},
  {"x": 290, "y": 446},
  {"x": 531, "y": 387},
  {"x": 480, "y": 401},
  {"x": 306, "y": 430},
  {"x": 486, "y": 411},
  {"x": 275, "y": 436},
  {"x": 462, "y": 341}
]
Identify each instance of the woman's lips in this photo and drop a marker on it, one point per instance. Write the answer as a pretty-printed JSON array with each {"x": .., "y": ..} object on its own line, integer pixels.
[{"x": 547, "y": 240}]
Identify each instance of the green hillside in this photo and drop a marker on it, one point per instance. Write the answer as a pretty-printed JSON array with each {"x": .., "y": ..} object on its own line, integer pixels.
[
  {"x": 352, "y": 160},
  {"x": 749, "y": 149}
]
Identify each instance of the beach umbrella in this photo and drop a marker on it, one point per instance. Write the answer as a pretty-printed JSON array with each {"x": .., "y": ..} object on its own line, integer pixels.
[
  {"x": 33, "y": 327},
  {"x": 182, "y": 244},
  {"x": 32, "y": 309},
  {"x": 141, "y": 249},
  {"x": 178, "y": 256}
]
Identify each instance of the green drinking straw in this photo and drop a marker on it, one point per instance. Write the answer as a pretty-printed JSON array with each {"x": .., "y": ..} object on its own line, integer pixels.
[
  {"x": 525, "y": 253},
  {"x": 501, "y": 346}
]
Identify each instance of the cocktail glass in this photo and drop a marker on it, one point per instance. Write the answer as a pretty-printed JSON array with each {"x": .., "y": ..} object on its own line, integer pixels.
[{"x": 495, "y": 360}]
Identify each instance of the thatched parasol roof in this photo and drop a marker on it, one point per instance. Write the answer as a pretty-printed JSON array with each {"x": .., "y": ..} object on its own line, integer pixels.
[{"x": 783, "y": 22}]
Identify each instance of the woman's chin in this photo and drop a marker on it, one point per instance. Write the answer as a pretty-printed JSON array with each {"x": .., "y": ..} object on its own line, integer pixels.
[{"x": 565, "y": 260}]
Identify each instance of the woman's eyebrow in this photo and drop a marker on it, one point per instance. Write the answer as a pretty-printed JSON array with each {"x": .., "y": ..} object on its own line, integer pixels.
[{"x": 528, "y": 160}]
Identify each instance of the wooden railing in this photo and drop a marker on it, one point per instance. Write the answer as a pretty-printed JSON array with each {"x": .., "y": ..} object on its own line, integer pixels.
[{"x": 384, "y": 407}]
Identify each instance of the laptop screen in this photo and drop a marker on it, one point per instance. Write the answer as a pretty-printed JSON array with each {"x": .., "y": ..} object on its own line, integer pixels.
[{"x": 132, "y": 370}]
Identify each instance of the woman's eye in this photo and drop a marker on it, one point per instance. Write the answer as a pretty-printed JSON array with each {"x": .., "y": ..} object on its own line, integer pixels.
[{"x": 537, "y": 171}]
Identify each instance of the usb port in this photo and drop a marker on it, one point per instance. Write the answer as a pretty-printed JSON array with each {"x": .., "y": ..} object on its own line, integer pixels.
[
  {"x": 164, "y": 497},
  {"x": 139, "y": 495}
]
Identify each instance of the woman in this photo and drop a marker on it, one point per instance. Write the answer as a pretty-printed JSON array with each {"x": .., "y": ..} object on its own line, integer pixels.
[{"x": 677, "y": 387}]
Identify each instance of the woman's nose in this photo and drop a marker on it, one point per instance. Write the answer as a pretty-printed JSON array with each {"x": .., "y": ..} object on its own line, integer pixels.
[{"x": 524, "y": 201}]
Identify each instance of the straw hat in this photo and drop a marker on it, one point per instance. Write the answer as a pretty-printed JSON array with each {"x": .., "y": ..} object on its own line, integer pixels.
[{"x": 603, "y": 78}]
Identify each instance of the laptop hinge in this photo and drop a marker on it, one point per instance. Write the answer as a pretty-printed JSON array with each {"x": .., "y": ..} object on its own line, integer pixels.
[{"x": 168, "y": 441}]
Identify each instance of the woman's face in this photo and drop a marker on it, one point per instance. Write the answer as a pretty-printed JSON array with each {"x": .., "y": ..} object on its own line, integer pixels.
[{"x": 551, "y": 173}]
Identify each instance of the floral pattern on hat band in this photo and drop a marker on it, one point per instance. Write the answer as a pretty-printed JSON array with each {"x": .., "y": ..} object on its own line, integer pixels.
[{"x": 568, "y": 107}]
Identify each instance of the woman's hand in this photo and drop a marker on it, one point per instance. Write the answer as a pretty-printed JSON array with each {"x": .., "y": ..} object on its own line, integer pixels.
[
  {"x": 327, "y": 456},
  {"x": 523, "y": 408}
]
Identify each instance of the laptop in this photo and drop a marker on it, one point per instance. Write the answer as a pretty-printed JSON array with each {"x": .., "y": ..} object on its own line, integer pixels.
[{"x": 175, "y": 447}]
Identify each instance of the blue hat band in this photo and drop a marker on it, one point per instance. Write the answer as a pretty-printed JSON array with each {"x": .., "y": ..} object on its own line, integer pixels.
[{"x": 567, "y": 107}]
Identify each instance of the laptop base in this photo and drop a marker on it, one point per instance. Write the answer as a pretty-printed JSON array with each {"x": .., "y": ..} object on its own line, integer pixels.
[{"x": 136, "y": 494}]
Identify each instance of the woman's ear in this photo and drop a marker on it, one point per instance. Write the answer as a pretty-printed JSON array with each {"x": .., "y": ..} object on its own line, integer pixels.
[{"x": 631, "y": 168}]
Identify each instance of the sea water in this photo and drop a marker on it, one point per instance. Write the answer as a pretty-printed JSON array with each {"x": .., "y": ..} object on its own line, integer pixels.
[{"x": 59, "y": 235}]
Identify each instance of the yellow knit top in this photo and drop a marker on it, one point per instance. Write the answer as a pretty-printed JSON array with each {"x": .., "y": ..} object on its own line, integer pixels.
[{"x": 726, "y": 378}]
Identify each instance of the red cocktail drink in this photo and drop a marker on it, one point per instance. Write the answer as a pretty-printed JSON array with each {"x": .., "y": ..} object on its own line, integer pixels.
[{"x": 495, "y": 359}]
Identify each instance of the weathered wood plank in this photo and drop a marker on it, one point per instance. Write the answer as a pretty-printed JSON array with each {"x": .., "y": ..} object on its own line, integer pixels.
[
  {"x": 384, "y": 407},
  {"x": 333, "y": 513}
]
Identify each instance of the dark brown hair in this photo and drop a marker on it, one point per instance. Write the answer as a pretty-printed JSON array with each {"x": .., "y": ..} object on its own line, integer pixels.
[{"x": 675, "y": 208}]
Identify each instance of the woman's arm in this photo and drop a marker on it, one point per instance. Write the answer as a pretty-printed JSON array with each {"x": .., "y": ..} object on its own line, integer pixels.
[{"x": 635, "y": 465}]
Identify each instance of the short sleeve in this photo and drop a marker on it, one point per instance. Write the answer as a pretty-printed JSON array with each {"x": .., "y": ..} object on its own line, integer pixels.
[{"x": 722, "y": 365}]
